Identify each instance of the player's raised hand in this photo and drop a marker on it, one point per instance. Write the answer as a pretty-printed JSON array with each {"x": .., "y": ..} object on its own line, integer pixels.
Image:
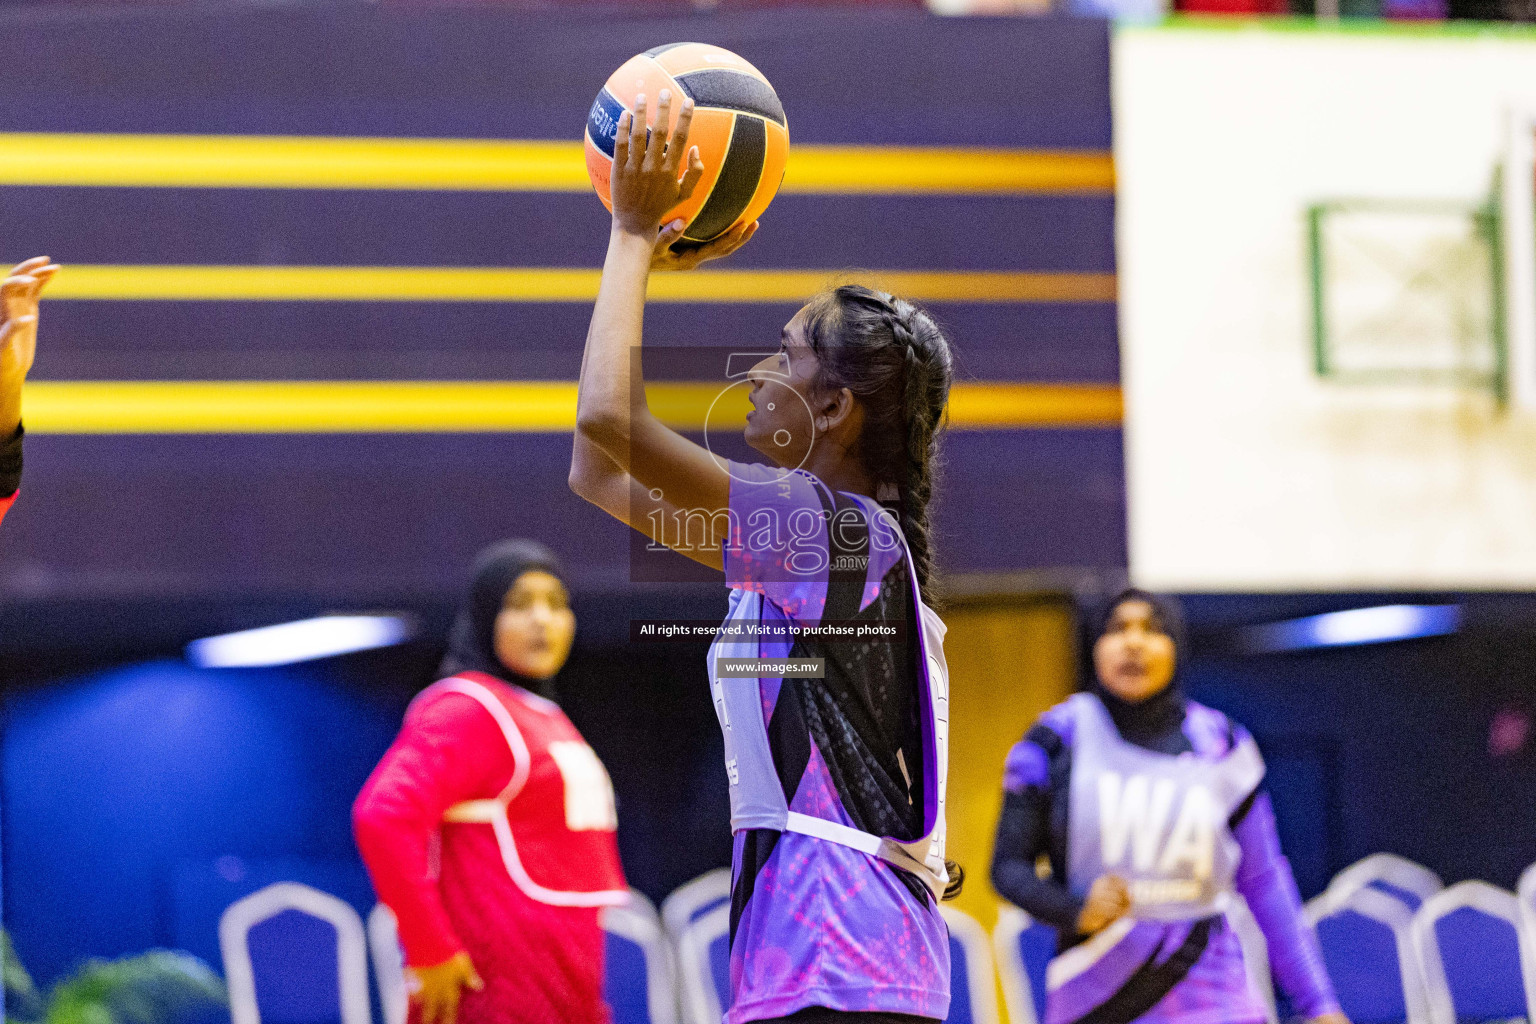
[
  {"x": 19, "y": 294},
  {"x": 650, "y": 177},
  {"x": 664, "y": 257}
]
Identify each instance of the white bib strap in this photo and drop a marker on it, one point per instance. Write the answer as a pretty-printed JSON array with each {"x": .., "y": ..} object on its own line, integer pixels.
[
  {"x": 892, "y": 853},
  {"x": 479, "y": 811},
  {"x": 482, "y": 695},
  {"x": 833, "y": 832},
  {"x": 1066, "y": 966}
]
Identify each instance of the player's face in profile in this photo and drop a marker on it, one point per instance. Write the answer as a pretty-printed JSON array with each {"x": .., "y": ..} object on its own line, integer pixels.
[
  {"x": 779, "y": 425},
  {"x": 535, "y": 626},
  {"x": 1134, "y": 658}
]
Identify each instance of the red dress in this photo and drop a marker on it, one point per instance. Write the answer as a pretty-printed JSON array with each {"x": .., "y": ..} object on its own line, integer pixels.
[{"x": 488, "y": 827}]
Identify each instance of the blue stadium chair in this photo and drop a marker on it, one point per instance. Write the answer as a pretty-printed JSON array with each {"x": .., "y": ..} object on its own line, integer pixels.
[
  {"x": 1527, "y": 892},
  {"x": 1024, "y": 948},
  {"x": 704, "y": 966},
  {"x": 1396, "y": 876},
  {"x": 1469, "y": 942},
  {"x": 972, "y": 990},
  {"x": 1367, "y": 942},
  {"x": 1255, "y": 956},
  {"x": 637, "y": 979},
  {"x": 692, "y": 899},
  {"x": 294, "y": 955},
  {"x": 388, "y": 964}
]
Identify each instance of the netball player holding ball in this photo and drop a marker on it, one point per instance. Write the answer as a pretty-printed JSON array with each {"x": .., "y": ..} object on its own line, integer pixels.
[
  {"x": 1151, "y": 812},
  {"x": 836, "y": 782}
]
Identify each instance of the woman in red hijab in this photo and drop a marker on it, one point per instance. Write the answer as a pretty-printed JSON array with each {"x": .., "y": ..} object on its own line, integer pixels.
[{"x": 488, "y": 827}]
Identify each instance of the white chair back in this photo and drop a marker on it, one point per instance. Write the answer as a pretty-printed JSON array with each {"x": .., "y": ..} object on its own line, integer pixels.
[
  {"x": 636, "y": 924},
  {"x": 388, "y": 964},
  {"x": 1015, "y": 931},
  {"x": 240, "y": 973},
  {"x": 980, "y": 980},
  {"x": 698, "y": 952},
  {"x": 1413, "y": 883},
  {"x": 1390, "y": 913},
  {"x": 1527, "y": 896},
  {"x": 691, "y": 899},
  {"x": 1486, "y": 981}
]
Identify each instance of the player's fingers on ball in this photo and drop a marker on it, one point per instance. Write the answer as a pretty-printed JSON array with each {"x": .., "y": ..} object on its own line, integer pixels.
[
  {"x": 621, "y": 140},
  {"x": 670, "y": 232},
  {"x": 679, "y": 144},
  {"x": 731, "y": 241},
  {"x": 637, "y": 132},
  {"x": 656, "y": 148},
  {"x": 739, "y": 236},
  {"x": 691, "y": 178}
]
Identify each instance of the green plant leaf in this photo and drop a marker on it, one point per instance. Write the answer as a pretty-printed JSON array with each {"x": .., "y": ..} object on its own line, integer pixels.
[
  {"x": 21, "y": 992},
  {"x": 152, "y": 988}
]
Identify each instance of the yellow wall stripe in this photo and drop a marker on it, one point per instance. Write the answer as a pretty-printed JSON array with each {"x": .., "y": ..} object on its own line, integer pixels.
[
  {"x": 549, "y": 284},
  {"x": 262, "y": 407},
  {"x": 282, "y": 162}
]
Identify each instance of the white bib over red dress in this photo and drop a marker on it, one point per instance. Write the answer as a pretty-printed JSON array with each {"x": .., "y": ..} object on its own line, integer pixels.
[{"x": 488, "y": 828}]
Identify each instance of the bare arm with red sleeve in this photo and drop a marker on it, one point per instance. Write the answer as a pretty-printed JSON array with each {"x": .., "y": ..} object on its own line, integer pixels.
[
  {"x": 448, "y": 751},
  {"x": 10, "y": 470}
]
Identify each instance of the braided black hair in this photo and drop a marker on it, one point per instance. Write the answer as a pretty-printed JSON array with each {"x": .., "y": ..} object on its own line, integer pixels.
[{"x": 893, "y": 357}]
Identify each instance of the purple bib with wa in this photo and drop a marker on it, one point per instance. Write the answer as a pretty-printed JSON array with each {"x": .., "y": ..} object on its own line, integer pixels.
[{"x": 1159, "y": 821}]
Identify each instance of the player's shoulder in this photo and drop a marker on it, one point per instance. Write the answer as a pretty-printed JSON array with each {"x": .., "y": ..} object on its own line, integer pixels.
[
  {"x": 1211, "y": 732},
  {"x": 757, "y": 480},
  {"x": 1060, "y": 720},
  {"x": 1047, "y": 743},
  {"x": 1052, "y": 731},
  {"x": 457, "y": 697}
]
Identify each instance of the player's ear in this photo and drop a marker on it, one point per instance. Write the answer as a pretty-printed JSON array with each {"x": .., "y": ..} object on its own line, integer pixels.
[{"x": 836, "y": 407}]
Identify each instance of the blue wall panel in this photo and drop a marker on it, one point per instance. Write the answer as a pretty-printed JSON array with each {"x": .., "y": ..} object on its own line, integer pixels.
[{"x": 113, "y": 784}]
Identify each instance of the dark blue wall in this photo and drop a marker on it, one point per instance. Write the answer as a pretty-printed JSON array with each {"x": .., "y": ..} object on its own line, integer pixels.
[
  {"x": 123, "y": 790},
  {"x": 1385, "y": 747}
]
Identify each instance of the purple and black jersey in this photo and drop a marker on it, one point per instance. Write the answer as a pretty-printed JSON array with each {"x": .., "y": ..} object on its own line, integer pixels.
[
  {"x": 1166, "y": 796},
  {"x": 818, "y": 922}
]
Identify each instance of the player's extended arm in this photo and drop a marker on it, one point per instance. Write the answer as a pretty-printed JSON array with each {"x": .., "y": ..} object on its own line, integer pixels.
[
  {"x": 448, "y": 751},
  {"x": 612, "y": 414},
  {"x": 1264, "y": 878},
  {"x": 596, "y": 477},
  {"x": 18, "y": 346},
  {"x": 1023, "y": 835}
]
